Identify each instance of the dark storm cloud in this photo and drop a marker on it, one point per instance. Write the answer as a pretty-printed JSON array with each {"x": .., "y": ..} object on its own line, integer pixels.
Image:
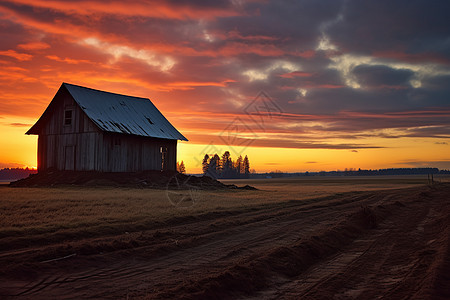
[
  {"x": 406, "y": 27},
  {"x": 382, "y": 76},
  {"x": 441, "y": 82},
  {"x": 296, "y": 24}
]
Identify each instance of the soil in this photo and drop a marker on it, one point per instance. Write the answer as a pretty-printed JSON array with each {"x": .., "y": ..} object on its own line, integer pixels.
[
  {"x": 391, "y": 244},
  {"x": 147, "y": 179}
]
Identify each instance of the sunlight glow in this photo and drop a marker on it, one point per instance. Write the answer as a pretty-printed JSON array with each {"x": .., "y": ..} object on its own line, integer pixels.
[
  {"x": 325, "y": 44},
  {"x": 303, "y": 92},
  {"x": 263, "y": 74},
  {"x": 17, "y": 148},
  {"x": 300, "y": 160},
  {"x": 164, "y": 63}
]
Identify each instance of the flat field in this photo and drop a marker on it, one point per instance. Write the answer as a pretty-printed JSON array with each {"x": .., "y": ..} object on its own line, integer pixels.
[{"x": 293, "y": 238}]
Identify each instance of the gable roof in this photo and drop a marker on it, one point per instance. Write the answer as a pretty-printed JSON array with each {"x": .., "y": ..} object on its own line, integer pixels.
[{"x": 121, "y": 114}]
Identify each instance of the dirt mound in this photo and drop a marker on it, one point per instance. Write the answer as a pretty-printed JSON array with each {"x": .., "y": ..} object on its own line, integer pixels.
[{"x": 146, "y": 179}]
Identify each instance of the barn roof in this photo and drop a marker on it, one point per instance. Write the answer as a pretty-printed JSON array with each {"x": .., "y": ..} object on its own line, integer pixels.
[{"x": 122, "y": 114}]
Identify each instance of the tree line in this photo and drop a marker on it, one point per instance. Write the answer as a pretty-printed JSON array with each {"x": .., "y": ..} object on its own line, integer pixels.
[
  {"x": 354, "y": 172},
  {"x": 224, "y": 167},
  {"x": 15, "y": 173}
]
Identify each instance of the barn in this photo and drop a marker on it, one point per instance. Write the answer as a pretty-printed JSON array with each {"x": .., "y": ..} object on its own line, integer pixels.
[{"x": 84, "y": 129}]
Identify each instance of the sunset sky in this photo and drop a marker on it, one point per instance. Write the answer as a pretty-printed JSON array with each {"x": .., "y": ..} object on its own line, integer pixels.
[{"x": 296, "y": 85}]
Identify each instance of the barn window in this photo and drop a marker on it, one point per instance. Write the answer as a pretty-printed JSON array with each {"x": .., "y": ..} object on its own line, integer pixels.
[{"x": 68, "y": 117}]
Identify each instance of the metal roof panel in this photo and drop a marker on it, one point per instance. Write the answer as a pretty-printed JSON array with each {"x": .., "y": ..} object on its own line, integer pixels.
[{"x": 123, "y": 114}]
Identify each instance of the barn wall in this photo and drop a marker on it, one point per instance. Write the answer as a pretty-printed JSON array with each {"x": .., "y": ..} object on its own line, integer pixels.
[
  {"x": 55, "y": 123},
  {"x": 126, "y": 153},
  {"x": 76, "y": 151},
  {"x": 67, "y": 147},
  {"x": 81, "y": 146}
]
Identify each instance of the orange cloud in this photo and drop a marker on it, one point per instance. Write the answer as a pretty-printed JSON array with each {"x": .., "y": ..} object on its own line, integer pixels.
[
  {"x": 14, "y": 74},
  {"x": 20, "y": 124},
  {"x": 16, "y": 55},
  {"x": 153, "y": 9},
  {"x": 34, "y": 46},
  {"x": 67, "y": 60},
  {"x": 57, "y": 27}
]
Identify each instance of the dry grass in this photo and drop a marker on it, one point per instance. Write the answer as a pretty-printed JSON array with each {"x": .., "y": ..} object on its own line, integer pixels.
[
  {"x": 299, "y": 188},
  {"x": 40, "y": 210},
  {"x": 101, "y": 242}
]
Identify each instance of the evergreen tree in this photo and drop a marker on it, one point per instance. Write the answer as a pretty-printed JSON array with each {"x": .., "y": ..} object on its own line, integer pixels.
[
  {"x": 224, "y": 167},
  {"x": 182, "y": 169},
  {"x": 214, "y": 167},
  {"x": 217, "y": 167},
  {"x": 205, "y": 164},
  {"x": 246, "y": 164},
  {"x": 239, "y": 166},
  {"x": 227, "y": 165}
]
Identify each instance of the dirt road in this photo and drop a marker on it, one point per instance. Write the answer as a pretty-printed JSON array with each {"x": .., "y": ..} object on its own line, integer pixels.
[{"x": 391, "y": 244}]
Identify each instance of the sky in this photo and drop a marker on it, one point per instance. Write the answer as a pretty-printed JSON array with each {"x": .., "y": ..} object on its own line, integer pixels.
[{"x": 303, "y": 85}]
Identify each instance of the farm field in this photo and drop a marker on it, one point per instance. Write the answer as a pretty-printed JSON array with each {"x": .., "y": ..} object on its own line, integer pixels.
[{"x": 293, "y": 238}]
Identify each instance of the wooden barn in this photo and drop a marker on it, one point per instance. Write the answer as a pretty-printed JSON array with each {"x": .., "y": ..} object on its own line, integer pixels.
[{"x": 84, "y": 129}]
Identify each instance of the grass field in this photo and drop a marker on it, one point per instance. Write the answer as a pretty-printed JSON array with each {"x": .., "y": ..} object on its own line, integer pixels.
[
  {"x": 105, "y": 234},
  {"x": 42, "y": 209}
]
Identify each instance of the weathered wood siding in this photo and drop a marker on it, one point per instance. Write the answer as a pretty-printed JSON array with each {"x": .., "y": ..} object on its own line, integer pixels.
[
  {"x": 75, "y": 151},
  {"x": 81, "y": 146},
  {"x": 126, "y": 153}
]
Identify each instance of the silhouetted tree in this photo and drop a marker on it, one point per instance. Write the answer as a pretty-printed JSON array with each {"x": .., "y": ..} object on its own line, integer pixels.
[
  {"x": 246, "y": 164},
  {"x": 218, "y": 165},
  {"x": 205, "y": 164},
  {"x": 239, "y": 166},
  {"x": 227, "y": 165},
  {"x": 213, "y": 169},
  {"x": 181, "y": 168},
  {"x": 15, "y": 173}
]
